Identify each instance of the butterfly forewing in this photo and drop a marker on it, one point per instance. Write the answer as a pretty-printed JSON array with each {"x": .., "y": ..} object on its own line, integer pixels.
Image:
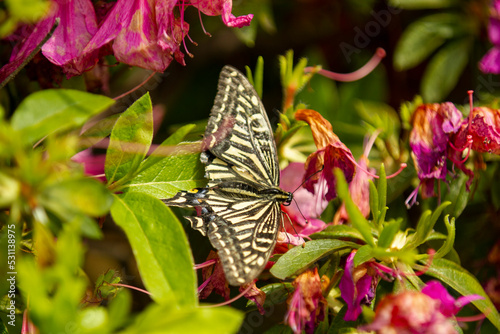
[
  {"x": 240, "y": 208},
  {"x": 238, "y": 130}
]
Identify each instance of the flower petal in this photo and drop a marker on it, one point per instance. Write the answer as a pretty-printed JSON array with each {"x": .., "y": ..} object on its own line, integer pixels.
[{"x": 223, "y": 8}]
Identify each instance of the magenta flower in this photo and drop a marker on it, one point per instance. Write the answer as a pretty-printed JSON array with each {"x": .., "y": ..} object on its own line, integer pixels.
[
  {"x": 307, "y": 222},
  {"x": 331, "y": 154},
  {"x": 77, "y": 25},
  {"x": 433, "y": 127},
  {"x": 485, "y": 130},
  {"x": 448, "y": 306},
  {"x": 93, "y": 164},
  {"x": 306, "y": 306},
  {"x": 491, "y": 60},
  {"x": 425, "y": 312},
  {"x": 223, "y": 8},
  {"x": 357, "y": 287},
  {"x": 145, "y": 33}
]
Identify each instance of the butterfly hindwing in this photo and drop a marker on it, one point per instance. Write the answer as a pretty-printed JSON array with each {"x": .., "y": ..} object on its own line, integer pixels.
[{"x": 239, "y": 210}]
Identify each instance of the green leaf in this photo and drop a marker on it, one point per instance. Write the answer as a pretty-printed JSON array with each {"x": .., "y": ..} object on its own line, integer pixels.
[
  {"x": 362, "y": 255},
  {"x": 160, "y": 247},
  {"x": 276, "y": 293},
  {"x": 299, "y": 257},
  {"x": 388, "y": 233},
  {"x": 458, "y": 195},
  {"x": 165, "y": 178},
  {"x": 423, "y": 37},
  {"x": 425, "y": 226},
  {"x": 422, "y": 4},
  {"x": 373, "y": 201},
  {"x": 443, "y": 71},
  {"x": 168, "y": 147},
  {"x": 338, "y": 232},
  {"x": 466, "y": 284},
  {"x": 450, "y": 239},
  {"x": 130, "y": 140},
  {"x": 53, "y": 110},
  {"x": 357, "y": 219},
  {"x": 83, "y": 195},
  {"x": 168, "y": 319}
]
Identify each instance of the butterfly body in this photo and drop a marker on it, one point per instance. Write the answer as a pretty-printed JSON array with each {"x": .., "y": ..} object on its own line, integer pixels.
[{"x": 239, "y": 210}]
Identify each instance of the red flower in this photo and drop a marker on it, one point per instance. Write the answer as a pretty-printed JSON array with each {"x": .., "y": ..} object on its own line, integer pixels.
[
  {"x": 433, "y": 127},
  {"x": 484, "y": 129},
  {"x": 331, "y": 154},
  {"x": 425, "y": 312},
  {"x": 306, "y": 306},
  {"x": 357, "y": 287}
]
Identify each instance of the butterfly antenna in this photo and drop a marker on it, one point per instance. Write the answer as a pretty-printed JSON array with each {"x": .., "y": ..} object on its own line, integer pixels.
[{"x": 307, "y": 179}]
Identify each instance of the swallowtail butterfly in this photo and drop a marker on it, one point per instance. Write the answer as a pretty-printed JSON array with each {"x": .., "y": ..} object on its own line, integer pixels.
[{"x": 239, "y": 209}]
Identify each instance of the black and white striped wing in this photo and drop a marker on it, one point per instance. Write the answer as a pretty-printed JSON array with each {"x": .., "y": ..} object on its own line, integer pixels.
[
  {"x": 239, "y": 136},
  {"x": 240, "y": 208}
]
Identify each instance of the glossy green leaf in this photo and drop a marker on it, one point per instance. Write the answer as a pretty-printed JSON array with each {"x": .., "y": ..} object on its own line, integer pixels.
[
  {"x": 466, "y": 284},
  {"x": 299, "y": 257},
  {"x": 168, "y": 147},
  {"x": 357, "y": 218},
  {"x": 388, "y": 233},
  {"x": 160, "y": 247},
  {"x": 165, "y": 178},
  {"x": 363, "y": 254},
  {"x": 130, "y": 140},
  {"x": 373, "y": 201},
  {"x": 422, "y": 4},
  {"x": 425, "y": 225},
  {"x": 443, "y": 71},
  {"x": 83, "y": 195},
  {"x": 450, "y": 239},
  {"x": 422, "y": 38},
  {"x": 52, "y": 110},
  {"x": 168, "y": 319},
  {"x": 457, "y": 195},
  {"x": 338, "y": 232},
  {"x": 276, "y": 293}
]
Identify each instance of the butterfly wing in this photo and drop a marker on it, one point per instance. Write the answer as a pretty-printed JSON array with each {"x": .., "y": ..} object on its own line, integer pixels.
[
  {"x": 238, "y": 135},
  {"x": 241, "y": 160}
]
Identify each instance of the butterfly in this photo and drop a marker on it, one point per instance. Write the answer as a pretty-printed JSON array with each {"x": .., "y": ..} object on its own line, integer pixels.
[{"x": 239, "y": 209}]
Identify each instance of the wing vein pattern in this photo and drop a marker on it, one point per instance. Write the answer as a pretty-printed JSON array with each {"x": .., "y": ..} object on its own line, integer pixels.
[{"x": 239, "y": 210}]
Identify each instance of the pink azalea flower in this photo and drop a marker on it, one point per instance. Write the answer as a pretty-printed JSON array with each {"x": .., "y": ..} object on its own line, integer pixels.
[
  {"x": 357, "y": 287},
  {"x": 306, "y": 306},
  {"x": 433, "y": 127},
  {"x": 331, "y": 154},
  {"x": 448, "y": 306},
  {"x": 254, "y": 294},
  {"x": 145, "y": 33},
  {"x": 306, "y": 208},
  {"x": 491, "y": 60},
  {"x": 425, "y": 312},
  {"x": 214, "y": 279},
  {"x": 93, "y": 164},
  {"x": 77, "y": 25},
  {"x": 484, "y": 129},
  {"x": 223, "y": 8},
  {"x": 359, "y": 188}
]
